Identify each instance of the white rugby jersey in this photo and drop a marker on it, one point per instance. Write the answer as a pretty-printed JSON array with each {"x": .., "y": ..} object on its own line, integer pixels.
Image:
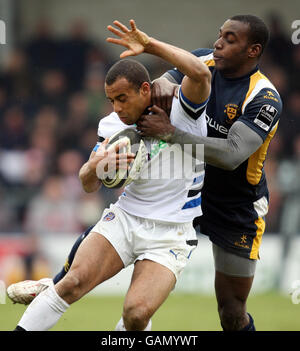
[{"x": 169, "y": 186}]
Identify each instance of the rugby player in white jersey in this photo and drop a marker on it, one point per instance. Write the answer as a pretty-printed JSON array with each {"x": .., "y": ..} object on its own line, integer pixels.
[{"x": 150, "y": 225}]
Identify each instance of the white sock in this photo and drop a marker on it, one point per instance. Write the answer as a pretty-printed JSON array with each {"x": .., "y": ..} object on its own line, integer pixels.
[
  {"x": 44, "y": 311},
  {"x": 121, "y": 327}
]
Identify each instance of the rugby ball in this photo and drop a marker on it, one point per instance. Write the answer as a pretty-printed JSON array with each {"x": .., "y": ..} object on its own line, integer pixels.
[{"x": 135, "y": 144}]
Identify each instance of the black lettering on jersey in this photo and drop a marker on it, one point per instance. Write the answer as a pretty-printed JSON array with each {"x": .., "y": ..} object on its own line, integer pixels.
[
  {"x": 266, "y": 116},
  {"x": 100, "y": 139},
  {"x": 213, "y": 124}
]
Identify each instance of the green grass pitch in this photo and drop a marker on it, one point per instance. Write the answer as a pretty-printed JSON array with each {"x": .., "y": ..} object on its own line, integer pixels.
[{"x": 271, "y": 312}]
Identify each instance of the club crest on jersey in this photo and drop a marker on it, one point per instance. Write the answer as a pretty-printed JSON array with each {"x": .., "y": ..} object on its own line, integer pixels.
[
  {"x": 109, "y": 217},
  {"x": 231, "y": 112}
]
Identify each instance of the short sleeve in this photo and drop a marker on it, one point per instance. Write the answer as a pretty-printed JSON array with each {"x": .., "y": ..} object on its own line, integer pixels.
[{"x": 263, "y": 112}]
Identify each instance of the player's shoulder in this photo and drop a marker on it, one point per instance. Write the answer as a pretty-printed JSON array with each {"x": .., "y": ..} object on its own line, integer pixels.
[
  {"x": 202, "y": 52},
  {"x": 205, "y": 55},
  {"x": 262, "y": 90},
  {"x": 262, "y": 106}
]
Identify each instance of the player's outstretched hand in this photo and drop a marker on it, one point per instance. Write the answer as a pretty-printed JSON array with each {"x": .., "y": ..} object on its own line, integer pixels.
[
  {"x": 133, "y": 39},
  {"x": 156, "y": 125}
]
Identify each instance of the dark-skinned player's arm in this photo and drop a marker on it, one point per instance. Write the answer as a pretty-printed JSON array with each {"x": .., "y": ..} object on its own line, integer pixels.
[
  {"x": 165, "y": 87},
  {"x": 244, "y": 137},
  {"x": 196, "y": 82},
  {"x": 227, "y": 154}
]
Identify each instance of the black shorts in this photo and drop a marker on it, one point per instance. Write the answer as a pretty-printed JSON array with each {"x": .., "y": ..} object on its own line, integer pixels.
[{"x": 243, "y": 243}]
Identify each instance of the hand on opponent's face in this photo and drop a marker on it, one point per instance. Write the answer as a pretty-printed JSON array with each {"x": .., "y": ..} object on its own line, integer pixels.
[{"x": 162, "y": 93}]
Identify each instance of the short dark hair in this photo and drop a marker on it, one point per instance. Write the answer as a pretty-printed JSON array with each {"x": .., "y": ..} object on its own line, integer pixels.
[
  {"x": 132, "y": 70},
  {"x": 258, "y": 31}
]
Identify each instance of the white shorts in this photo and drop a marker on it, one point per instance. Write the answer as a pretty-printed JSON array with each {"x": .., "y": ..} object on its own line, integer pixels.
[{"x": 135, "y": 238}]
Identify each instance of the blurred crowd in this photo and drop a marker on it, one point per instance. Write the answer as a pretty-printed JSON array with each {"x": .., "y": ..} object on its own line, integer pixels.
[{"x": 51, "y": 100}]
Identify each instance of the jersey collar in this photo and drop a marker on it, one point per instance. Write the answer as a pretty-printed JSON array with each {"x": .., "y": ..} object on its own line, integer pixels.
[{"x": 242, "y": 77}]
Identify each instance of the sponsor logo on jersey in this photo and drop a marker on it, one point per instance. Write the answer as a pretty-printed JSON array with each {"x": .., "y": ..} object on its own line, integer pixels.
[
  {"x": 215, "y": 125},
  {"x": 270, "y": 96},
  {"x": 109, "y": 217},
  {"x": 265, "y": 117},
  {"x": 231, "y": 112}
]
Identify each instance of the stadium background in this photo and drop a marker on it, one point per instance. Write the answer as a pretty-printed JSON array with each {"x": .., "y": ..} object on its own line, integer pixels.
[{"x": 51, "y": 98}]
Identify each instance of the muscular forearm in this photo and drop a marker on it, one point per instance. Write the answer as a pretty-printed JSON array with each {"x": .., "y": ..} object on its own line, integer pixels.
[
  {"x": 222, "y": 153},
  {"x": 89, "y": 180},
  {"x": 185, "y": 62}
]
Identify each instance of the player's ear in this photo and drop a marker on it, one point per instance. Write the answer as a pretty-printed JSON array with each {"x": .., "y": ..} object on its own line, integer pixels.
[
  {"x": 145, "y": 88},
  {"x": 254, "y": 50}
]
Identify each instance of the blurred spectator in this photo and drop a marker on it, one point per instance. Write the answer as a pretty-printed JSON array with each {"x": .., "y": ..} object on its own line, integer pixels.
[
  {"x": 94, "y": 86},
  {"x": 43, "y": 48},
  {"x": 279, "y": 78},
  {"x": 3, "y": 100},
  {"x": 44, "y": 141},
  {"x": 53, "y": 90},
  {"x": 76, "y": 121},
  {"x": 36, "y": 168},
  {"x": 51, "y": 211},
  {"x": 280, "y": 45},
  {"x": 288, "y": 176},
  {"x": 17, "y": 77},
  {"x": 13, "y": 129},
  {"x": 290, "y": 122},
  {"x": 74, "y": 54},
  {"x": 68, "y": 165},
  {"x": 273, "y": 216},
  {"x": 295, "y": 68},
  {"x": 91, "y": 207},
  {"x": 47, "y": 118},
  {"x": 8, "y": 219},
  {"x": 88, "y": 141}
]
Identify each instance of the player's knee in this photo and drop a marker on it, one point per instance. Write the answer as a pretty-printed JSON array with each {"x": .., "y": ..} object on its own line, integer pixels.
[
  {"x": 70, "y": 288},
  {"x": 136, "y": 316},
  {"x": 232, "y": 316}
]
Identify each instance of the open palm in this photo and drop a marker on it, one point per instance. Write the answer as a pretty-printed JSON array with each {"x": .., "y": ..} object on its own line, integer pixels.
[{"x": 134, "y": 40}]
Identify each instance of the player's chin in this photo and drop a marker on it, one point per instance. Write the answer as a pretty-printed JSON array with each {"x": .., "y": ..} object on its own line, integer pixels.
[
  {"x": 220, "y": 65},
  {"x": 127, "y": 120}
]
